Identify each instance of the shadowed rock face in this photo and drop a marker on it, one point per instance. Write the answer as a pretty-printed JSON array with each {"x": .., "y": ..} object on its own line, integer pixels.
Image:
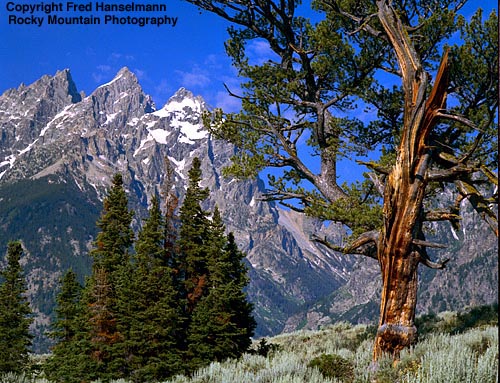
[{"x": 59, "y": 151}]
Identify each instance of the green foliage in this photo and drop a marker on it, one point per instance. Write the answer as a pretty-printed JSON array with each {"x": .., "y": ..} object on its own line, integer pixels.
[
  {"x": 150, "y": 307},
  {"x": 68, "y": 307},
  {"x": 115, "y": 236},
  {"x": 336, "y": 65},
  {"x": 474, "y": 69},
  {"x": 48, "y": 213},
  {"x": 171, "y": 307},
  {"x": 15, "y": 338},
  {"x": 66, "y": 362},
  {"x": 90, "y": 344},
  {"x": 300, "y": 107},
  {"x": 457, "y": 322},
  {"x": 333, "y": 366},
  {"x": 221, "y": 322},
  {"x": 471, "y": 356},
  {"x": 420, "y": 364},
  {"x": 103, "y": 300},
  {"x": 265, "y": 349},
  {"x": 193, "y": 235},
  {"x": 360, "y": 210}
]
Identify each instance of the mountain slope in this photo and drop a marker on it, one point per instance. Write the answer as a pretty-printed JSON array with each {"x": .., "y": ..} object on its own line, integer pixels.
[{"x": 59, "y": 150}]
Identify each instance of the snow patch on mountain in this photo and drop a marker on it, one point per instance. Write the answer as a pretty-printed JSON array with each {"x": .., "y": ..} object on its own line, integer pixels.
[
  {"x": 61, "y": 116},
  {"x": 181, "y": 113},
  {"x": 179, "y": 166},
  {"x": 160, "y": 135}
]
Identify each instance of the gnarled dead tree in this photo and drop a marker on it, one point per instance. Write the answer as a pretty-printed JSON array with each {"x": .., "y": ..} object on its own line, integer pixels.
[{"x": 307, "y": 92}]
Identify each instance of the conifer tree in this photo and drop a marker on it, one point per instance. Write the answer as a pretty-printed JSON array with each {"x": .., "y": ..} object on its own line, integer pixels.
[
  {"x": 69, "y": 362},
  {"x": 222, "y": 322},
  {"x": 193, "y": 234},
  {"x": 68, "y": 307},
  {"x": 111, "y": 267},
  {"x": 237, "y": 280},
  {"x": 171, "y": 203},
  {"x": 116, "y": 235},
  {"x": 15, "y": 338},
  {"x": 104, "y": 335},
  {"x": 155, "y": 320},
  {"x": 429, "y": 102}
]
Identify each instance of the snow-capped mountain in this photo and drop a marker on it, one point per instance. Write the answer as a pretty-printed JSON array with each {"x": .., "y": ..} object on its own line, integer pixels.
[
  {"x": 59, "y": 150},
  {"x": 65, "y": 147}
]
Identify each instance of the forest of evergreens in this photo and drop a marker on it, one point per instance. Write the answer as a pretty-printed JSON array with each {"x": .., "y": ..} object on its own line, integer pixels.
[{"x": 166, "y": 303}]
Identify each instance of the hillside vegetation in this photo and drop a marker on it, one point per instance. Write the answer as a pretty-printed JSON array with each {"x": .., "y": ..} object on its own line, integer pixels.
[{"x": 454, "y": 348}]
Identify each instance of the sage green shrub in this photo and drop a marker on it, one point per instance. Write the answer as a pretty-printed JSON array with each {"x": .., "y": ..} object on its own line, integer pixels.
[
  {"x": 333, "y": 366},
  {"x": 468, "y": 357}
]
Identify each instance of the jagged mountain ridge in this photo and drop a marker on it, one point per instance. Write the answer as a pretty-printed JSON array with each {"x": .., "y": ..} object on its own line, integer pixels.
[
  {"x": 59, "y": 150},
  {"x": 67, "y": 147}
]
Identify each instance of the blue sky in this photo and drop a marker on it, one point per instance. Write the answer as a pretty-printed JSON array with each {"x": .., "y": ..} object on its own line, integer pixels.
[
  {"x": 191, "y": 54},
  {"x": 165, "y": 58}
]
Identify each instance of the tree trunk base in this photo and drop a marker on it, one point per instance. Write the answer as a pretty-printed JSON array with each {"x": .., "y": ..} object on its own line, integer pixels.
[{"x": 392, "y": 338}]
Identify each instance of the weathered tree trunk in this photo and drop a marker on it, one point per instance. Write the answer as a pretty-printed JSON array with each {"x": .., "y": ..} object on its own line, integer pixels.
[
  {"x": 398, "y": 254},
  {"x": 398, "y": 263}
]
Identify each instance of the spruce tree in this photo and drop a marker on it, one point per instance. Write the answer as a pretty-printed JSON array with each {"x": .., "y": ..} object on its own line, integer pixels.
[
  {"x": 69, "y": 362},
  {"x": 116, "y": 236},
  {"x": 68, "y": 308},
  {"x": 15, "y": 338},
  {"x": 170, "y": 205},
  {"x": 222, "y": 322},
  {"x": 155, "y": 315},
  {"x": 103, "y": 321},
  {"x": 193, "y": 234},
  {"x": 110, "y": 268},
  {"x": 240, "y": 307}
]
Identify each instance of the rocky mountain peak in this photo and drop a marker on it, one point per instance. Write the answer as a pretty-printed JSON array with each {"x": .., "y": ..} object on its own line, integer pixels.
[
  {"x": 58, "y": 154},
  {"x": 65, "y": 78},
  {"x": 182, "y": 94},
  {"x": 122, "y": 98},
  {"x": 26, "y": 111},
  {"x": 53, "y": 92},
  {"x": 124, "y": 79}
]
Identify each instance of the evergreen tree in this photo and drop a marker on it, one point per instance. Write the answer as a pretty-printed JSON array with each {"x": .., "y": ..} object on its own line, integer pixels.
[
  {"x": 193, "y": 246},
  {"x": 69, "y": 362},
  {"x": 105, "y": 337},
  {"x": 116, "y": 236},
  {"x": 429, "y": 101},
  {"x": 111, "y": 267},
  {"x": 236, "y": 282},
  {"x": 154, "y": 323},
  {"x": 171, "y": 203},
  {"x": 15, "y": 338},
  {"x": 222, "y": 322}
]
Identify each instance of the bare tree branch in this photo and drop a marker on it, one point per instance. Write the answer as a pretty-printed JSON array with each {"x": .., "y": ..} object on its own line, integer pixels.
[
  {"x": 365, "y": 244},
  {"x": 441, "y": 215},
  {"x": 425, "y": 260},
  {"x": 423, "y": 243}
]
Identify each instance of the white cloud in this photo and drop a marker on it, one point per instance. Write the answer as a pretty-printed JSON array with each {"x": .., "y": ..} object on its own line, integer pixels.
[
  {"x": 196, "y": 77},
  {"x": 116, "y": 56},
  {"x": 259, "y": 52},
  {"x": 102, "y": 73},
  {"x": 104, "y": 68},
  {"x": 227, "y": 102}
]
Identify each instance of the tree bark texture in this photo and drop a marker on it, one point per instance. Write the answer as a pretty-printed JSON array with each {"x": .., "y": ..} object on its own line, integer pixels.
[{"x": 398, "y": 255}]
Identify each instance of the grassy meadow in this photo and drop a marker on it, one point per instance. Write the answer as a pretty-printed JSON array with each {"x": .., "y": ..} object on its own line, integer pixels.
[{"x": 448, "y": 352}]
